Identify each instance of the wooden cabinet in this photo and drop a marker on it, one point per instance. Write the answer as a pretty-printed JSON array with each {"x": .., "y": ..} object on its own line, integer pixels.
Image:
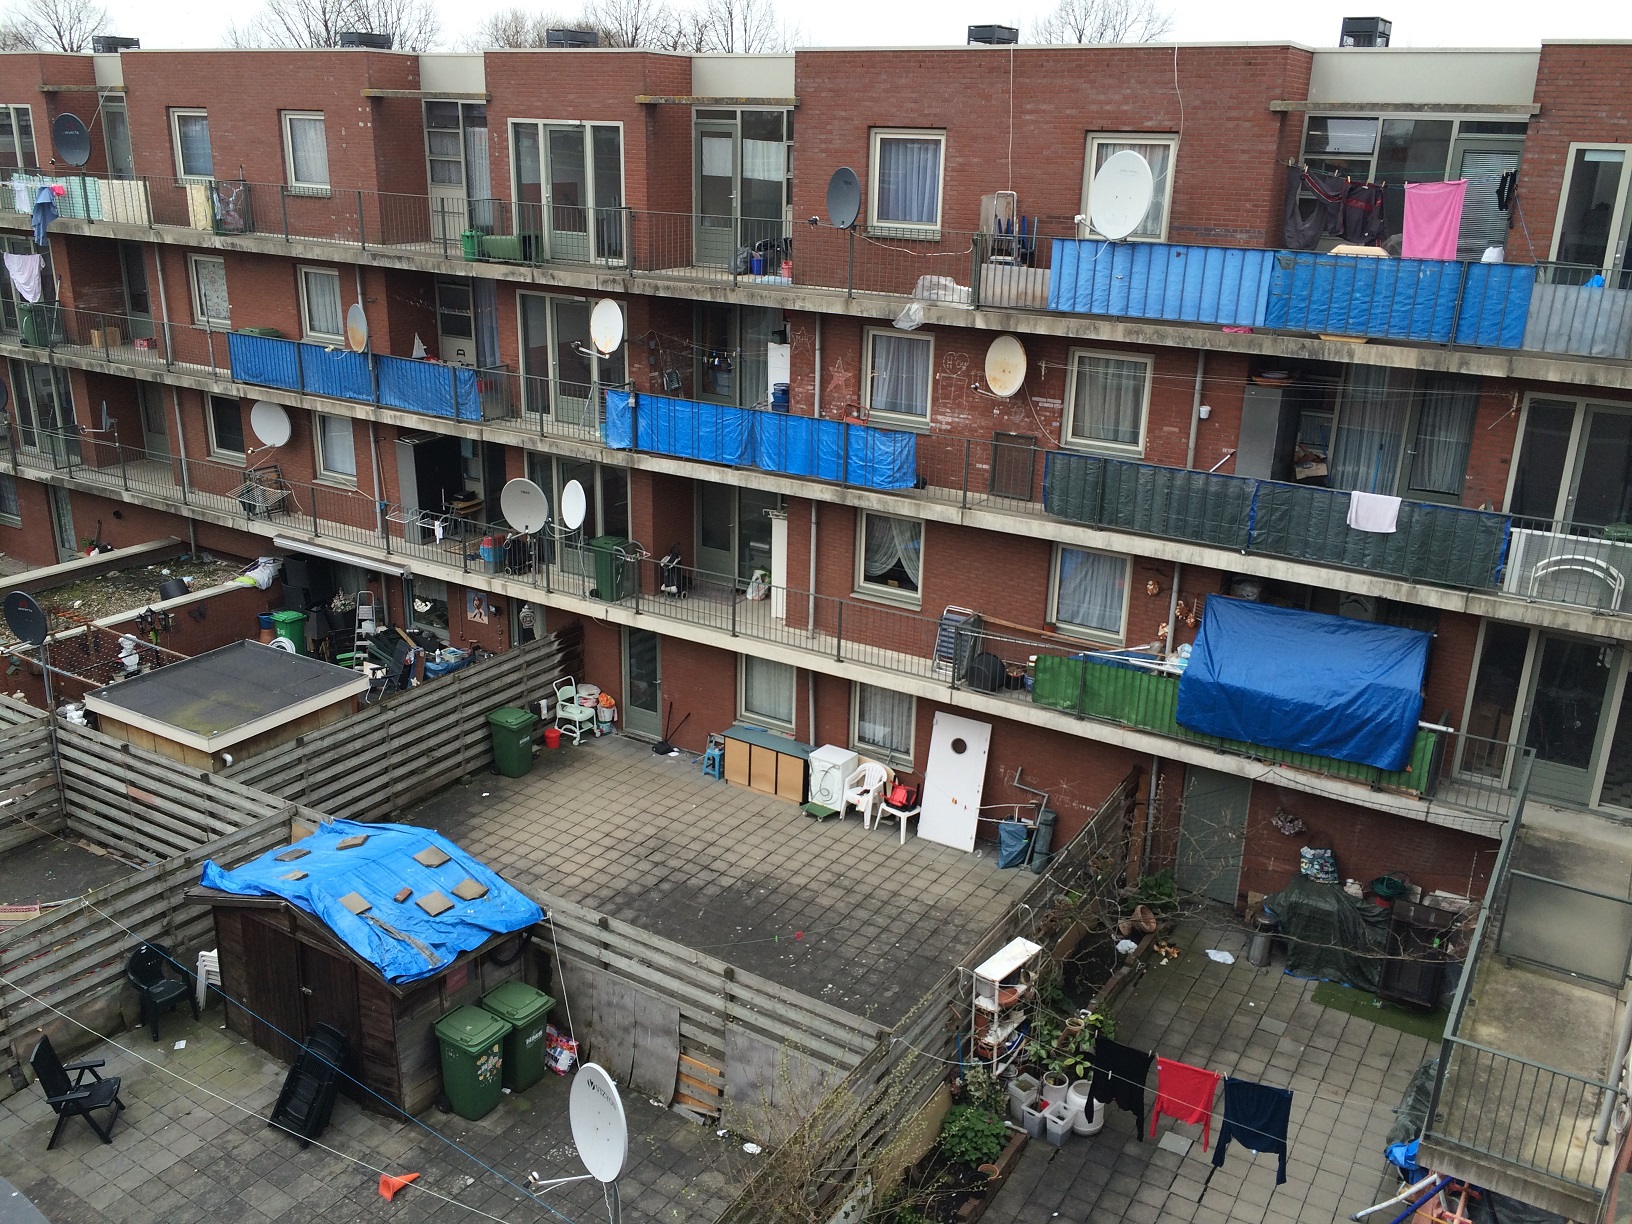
[{"x": 769, "y": 764}]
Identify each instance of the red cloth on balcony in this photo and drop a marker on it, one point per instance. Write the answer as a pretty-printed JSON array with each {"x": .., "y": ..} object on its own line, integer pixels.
[{"x": 1185, "y": 1093}]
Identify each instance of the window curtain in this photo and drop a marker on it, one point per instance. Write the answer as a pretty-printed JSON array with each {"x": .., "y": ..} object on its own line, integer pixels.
[
  {"x": 1444, "y": 435},
  {"x": 339, "y": 449},
  {"x": 1092, "y": 590},
  {"x": 1370, "y": 429},
  {"x": 211, "y": 276},
  {"x": 909, "y": 181},
  {"x": 884, "y": 720},
  {"x": 1109, "y": 400},
  {"x": 308, "y": 152},
  {"x": 1160, "y": 157},
  {"x": 193, "y": 135},
  {"x": 900, "y": 374},
  {"x": 767, "y": 689},
  {"x": 8, "y": 497},
  {"x": 891, "y": 541},
  {"x": 323, "y": 314}
]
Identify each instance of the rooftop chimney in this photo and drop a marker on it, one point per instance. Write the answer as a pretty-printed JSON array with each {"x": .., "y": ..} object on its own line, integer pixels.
[{"x": 1365, "y": 32}]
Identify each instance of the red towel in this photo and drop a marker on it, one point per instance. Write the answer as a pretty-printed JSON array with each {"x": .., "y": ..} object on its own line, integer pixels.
[{"x": 1185, "y": 1093}]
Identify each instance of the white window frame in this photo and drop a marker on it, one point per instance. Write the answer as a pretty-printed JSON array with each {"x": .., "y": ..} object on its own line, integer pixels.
[
  {"x": 1087, "y": 632},
  {"x": 1069, "y": 436},
  {"x": 308, "y": 332},
  {"x": 201, "y": 312},
  {"x": 216, "y": 449},
  {"x": 297, "y": 184},
  {"x": 177, "y": 113},
  {"x": 898, "y": 418},
  {"x": 894, "y": 758},
  {"x": 1091, "y": 155},
  {"x": 755, "y": 717},
  {"x": 904, "y": 229},
  {"x": 325, "y": 469},
  {"x": 32, "y": 160},
  {"x": 878, "y": 591}
]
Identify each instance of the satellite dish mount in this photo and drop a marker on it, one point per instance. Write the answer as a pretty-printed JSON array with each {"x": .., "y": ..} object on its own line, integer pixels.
[{"x": 601, "y": 1133}]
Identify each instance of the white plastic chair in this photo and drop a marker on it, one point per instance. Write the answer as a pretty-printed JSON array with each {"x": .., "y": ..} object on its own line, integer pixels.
[
  {"x": 864, "y": 791},
  {"x": 914, "y": 806},
  {"x": 570, "y": 717}
]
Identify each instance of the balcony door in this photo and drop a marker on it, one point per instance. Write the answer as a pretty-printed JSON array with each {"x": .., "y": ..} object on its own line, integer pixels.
[
  {"x": 742, "y": 188},
  {"x": 733, "y": 533},
  {"x": 1594, "y": 217},
  {"x": 569, "y": 190},
  {"x": 642, "y": 683},
  {"x": 456, "y": 157},
  {"x": 1212, "y": 830},
  {"x": 1573, "y": 682},
  {"x": 563, "y": 376}
]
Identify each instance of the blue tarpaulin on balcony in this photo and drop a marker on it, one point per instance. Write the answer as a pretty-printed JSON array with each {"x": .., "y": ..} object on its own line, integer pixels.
[
  {"x": 428, "y": 387},
  {"x": 264, "y": 361},
  {"x": 1158, "y": 280},
  {"x": 1305, "y": 681},
  {"x": 335, "y": 372},
  {"x": 715, "y": 433}
]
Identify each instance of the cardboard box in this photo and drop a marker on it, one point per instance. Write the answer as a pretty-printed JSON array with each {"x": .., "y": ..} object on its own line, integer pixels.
[{"x": 106, "y": 337}]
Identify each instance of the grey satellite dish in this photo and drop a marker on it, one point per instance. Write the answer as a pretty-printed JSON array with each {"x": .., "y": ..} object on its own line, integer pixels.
[
  {"x": 72, "y": 139},
  {"x": 1121, "y": 194},
  {"x": 270, "y": 423},
  {"x": 598, "y": 1126},
  {"x": 606, "y": 327},
  {"x": 843, "y": 198},
  {"x": 283, "y": 644},
  {"x": 356, "y": 328},
  {"x": 25, "y": 618},
  {"x": 1005, "y": 366},
  {"x": 574, "y": 505},
  {"x": 524, "y": 505}
]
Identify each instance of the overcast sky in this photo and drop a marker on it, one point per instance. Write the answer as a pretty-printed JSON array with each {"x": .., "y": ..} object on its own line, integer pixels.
[{"x": 1422, "y": 23}]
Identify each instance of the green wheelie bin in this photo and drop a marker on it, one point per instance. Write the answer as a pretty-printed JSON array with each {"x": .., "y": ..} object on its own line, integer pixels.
[
  {"x": 472, "y": 1042},
  {"x": 527, "y": 1011},
  {"x": 512, "y": 732}
]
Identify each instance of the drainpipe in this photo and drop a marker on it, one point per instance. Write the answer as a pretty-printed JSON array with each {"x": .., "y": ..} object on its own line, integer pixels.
[
  {"x": 374, "y": 463},
  {"x": 181, "y": 438},
  {"x": 1195, "y": 410},
  {"x": 1617, "y": 1066},
  {"x": 810, "y": 587},
  {"x": 1150, "y": 813}
]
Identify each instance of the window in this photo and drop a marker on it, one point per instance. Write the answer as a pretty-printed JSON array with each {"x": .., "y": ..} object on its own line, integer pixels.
[
  {"x": 17, "y": 138},
  {"x": 1107, "y": 401},
  {"x": 116, "y": 136},
  {"x": 767, "y": 692},
  {"x": 898, "y": 373},
  {"x": 43, "y": 407},
  {"x": 320, "y": 312},
  {"x": 209, "y": 277},
  {"x": 444, "y": 147},
  {"x": 227, "y": 427},
  {"x": 336, "y": 449},
  {"x": 905, "y": 189},
  {"x": 560, "y": 367},
  {"x": 430, "y": 611},
  {"x": 606, "y": 510},
  {"x": 889, "y": 557},
  {"x": 191, "y": 129},
  {"x": 1090, "y": 593},
  {"x": 568, "y": 180},
  {"x": 884, "y": 722},
  {"x": 1158, "y": 151},
  {"x": 11, "y": 512},
  {"x": 305, "y": 151}
]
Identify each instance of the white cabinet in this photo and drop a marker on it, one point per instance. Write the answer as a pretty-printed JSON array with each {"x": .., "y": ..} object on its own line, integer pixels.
[
  {"x": 830, "y": 766},
  {"x": 1005, "y": 990}
]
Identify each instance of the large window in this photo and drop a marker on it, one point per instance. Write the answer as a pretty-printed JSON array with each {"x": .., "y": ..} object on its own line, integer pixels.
[
  {"x": 43, "y": 407},
  {"x": 606, "y": 508},
  {"x": 336, "y": 448},
  {"x": 1574, "y": 463},
  {"x": 305, "y": 151},
  {"x": 1158, "y": 151},
  {"x": 1090, "y": 593},
  {"x": 11, "y": 512},
  {"x": 568, "y": 181},
  {"x": 889, "y": 557},
  {"x": 905, "y": 187},
  {"x": 17, "y": 139},
  {"x": 430, "y": 610},
  {"x": 226, "y": 427},
  {"x": 900, "y": 369},
  {"x": 1107, "y": 401},
  {"x": 320, "y": 312},
  {"x": 766, "y": 692},
  {"x": 1402, "y": 432},
  {"x": 209, "y": 277},
  {"x": 883, "y": 724},
  {"x": 191, "y": 131}
]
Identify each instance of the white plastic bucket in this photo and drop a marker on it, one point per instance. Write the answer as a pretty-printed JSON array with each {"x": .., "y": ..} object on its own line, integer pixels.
[
  {"x": 605, "y": 714},
  {"x": 1057, "y": 1123},
  {"x": 589, "y": 694}
]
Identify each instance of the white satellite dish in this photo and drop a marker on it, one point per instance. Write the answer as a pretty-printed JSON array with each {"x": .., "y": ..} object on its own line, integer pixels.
[
  {"x": 1005, "y": 366},
  {"x": 270, "y": 423},
  {"x": 1121, "y": 194},
  {"x": 524, "y": 505},
  {"x": 356, "y": 328},
  {"x": 606, "y": 327},
  {"x": 283, "y": 644},
  {"x": 598, "y": 1125},
  {"x": 574, "y": 505}
]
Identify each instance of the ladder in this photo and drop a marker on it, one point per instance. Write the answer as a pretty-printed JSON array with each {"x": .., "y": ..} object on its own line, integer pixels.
[{"x": 365, "y": 620}]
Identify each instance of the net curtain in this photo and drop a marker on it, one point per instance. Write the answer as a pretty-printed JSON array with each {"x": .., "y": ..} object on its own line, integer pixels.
[
  {"x": 909, "y": 181},
  {"x": 890, "y": 541}
]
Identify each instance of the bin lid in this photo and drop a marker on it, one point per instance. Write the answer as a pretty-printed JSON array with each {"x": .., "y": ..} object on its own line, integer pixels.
[
  {"x": 288, "y": 616},
  {"x": 509, "y": 718},
  {"x": 471, "y": 1029},
  {"x": 517, "y": 1002}
]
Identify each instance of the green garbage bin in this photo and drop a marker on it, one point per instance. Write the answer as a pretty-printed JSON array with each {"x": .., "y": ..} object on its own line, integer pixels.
[
  {"x": 471, "y": 240},
  {"x": 613, "y": 569},
  {"x": 512, "y": 732},
  {"x": 270, "y": 333},
  {"x": 472, "y": 1042},
  {"x": 291, "y": 626},
  {"x": 36, "y": 323},
  {"x": 527, "y": 1011}
]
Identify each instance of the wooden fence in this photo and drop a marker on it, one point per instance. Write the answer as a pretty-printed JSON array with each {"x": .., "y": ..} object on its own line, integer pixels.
[
  {"x": 30, "y": 807},
  {"x": 368, "y": 766}
]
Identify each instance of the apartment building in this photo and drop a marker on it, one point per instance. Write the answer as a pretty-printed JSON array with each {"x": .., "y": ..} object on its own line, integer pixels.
[{"x": 815, "y": 404}]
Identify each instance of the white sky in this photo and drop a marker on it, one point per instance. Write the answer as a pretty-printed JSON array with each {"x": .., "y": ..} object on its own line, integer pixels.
[{"x": 1420, "y": 23}]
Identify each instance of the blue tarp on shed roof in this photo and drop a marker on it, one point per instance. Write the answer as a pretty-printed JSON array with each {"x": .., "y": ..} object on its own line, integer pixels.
[
  {"x": 1304, "y": 681},
  {"x": 378, "y": 870}
]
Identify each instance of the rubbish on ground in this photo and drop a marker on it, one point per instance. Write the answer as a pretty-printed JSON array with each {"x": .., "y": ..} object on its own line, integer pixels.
[
  {"x": 753, "y": 1149},
  {"x": 1223, "y": 958},
  {"x": 180, "y": 1045}
]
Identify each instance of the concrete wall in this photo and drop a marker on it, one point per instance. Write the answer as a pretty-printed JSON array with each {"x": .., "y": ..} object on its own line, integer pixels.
[{"x": 1502, "y": 76}]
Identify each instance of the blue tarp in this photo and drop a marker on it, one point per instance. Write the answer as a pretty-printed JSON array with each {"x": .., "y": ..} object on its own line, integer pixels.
[
  {"x": 429, "y": 388},
  {"x": 1159, "y": 280},
  {"x": 335, "y": 372},
  {"x": 264, "y": 360},
  {"x": 1306, "y": 682},
  {"x": 377, "y": 871}
]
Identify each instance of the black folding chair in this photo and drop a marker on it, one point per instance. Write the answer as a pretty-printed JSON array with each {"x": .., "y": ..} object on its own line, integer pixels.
[{"x": 74, "y": 1097}]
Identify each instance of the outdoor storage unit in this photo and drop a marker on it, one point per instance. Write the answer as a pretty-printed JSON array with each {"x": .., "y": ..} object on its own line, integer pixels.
[
  {"x": 770, "y": 764},
  {"x": 472, "y": 1042},
  {"x": 512, "y": 732}
]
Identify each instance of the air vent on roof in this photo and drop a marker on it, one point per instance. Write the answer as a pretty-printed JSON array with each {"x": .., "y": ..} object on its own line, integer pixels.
[
  {"x": 571, "y": 38},
  {"x": 994, "y": 35},
  {"x": 112, "y": 44},
  {"x": 1365, "y": 32},
  {"x": 360, "y": 38}
]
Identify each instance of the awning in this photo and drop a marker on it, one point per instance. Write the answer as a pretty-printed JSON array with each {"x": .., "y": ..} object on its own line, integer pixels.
[
  {"x": 334, "y": 554},
  {"x": 1304, "y": 681}
]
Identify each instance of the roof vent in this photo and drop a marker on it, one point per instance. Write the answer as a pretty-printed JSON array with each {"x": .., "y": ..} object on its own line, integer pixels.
[
  {"x": 571, "y": 38},
  {"x": 112, "y": 44},
  {"x": 1365, "y": 32},
  {"x": 368, "y": 41},
  {"x": 994, "y": 35}
]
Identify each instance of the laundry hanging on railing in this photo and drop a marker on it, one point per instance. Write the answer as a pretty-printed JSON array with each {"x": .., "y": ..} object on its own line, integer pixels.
[
  {"x": 25, "y": 275},
  {"x": 1340, "y": 208}
]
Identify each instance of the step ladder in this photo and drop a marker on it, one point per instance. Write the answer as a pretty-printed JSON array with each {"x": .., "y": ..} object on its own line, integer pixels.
[{"x": 365, "y": 621}]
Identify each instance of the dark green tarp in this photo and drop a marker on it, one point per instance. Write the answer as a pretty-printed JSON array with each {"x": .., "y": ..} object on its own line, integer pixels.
[{"x": 1330, "y": 935}]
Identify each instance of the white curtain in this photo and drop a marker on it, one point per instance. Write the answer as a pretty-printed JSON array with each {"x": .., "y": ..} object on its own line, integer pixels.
[
  {"x": 891, "y": 542},
  {"x": 909, "y": 181},
  {"x": 210, "y": 281},
  {"x": 1370, "y": 429},
  {"x": 767, "y": 690},
  {"x": 1444, "y": 435},
  {"x": 1092, "y": 590},
  {"x": 308, "y": 152},
  {"x": 339, "y": 449},
  {"x": 193, "y": 136},
  {"x": 884, "y": 720},
  {"x": 1108, "y": 402},
  {"x": 900, "y": 374},
  {"x": 1160, "y": 157},
  {"x": 323, "y": 314},
  {"x": 764, "y": 159}
]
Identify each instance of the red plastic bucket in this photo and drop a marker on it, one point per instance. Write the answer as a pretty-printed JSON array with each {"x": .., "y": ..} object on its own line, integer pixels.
[{"x": 552, "y": 737}]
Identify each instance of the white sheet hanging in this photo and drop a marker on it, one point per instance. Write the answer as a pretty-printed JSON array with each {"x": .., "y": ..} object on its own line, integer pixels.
[
  {"x": 1375, "y": 512},
  {"x": 25, "y": 275}
]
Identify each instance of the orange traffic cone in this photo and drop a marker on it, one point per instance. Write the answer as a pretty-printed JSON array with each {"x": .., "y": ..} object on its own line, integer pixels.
[{"x": 390, "y": 1185}]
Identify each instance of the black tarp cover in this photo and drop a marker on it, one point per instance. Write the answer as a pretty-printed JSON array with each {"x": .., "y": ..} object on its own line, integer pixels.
[{"x": 1329, "y": 934}]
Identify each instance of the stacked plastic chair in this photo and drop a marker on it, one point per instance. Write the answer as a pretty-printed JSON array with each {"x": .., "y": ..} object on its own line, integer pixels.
[{"x": 307, "y": 1098}]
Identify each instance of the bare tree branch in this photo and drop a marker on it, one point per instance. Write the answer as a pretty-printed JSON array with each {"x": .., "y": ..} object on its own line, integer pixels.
[
  {"x": 53, "y": 25},
  {"x": 1103, "y": 21},
  {"x": 412, "y": 24}
]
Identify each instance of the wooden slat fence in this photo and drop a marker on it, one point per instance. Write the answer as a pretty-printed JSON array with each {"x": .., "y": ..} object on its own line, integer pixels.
[
  {"x": 30, "y": 807},
  {"x": 386, "y": 756}
]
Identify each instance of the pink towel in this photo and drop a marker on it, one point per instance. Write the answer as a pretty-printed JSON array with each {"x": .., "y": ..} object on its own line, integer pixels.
[{"x": 1433, "y": 216}]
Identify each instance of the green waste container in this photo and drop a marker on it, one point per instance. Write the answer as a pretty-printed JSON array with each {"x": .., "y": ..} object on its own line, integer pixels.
[
  {"x": 512, "y": 732},
  {"x": 527, "y": 1011},
  {"x": 612, "y": 567},
  {"x": 471, "y": 240},
  {"x": 472, "y": 1042},
  {"x": 271, "y": 333},
  {"x": 291, "y": 626},
  {"x": 36, "y": 323}
]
